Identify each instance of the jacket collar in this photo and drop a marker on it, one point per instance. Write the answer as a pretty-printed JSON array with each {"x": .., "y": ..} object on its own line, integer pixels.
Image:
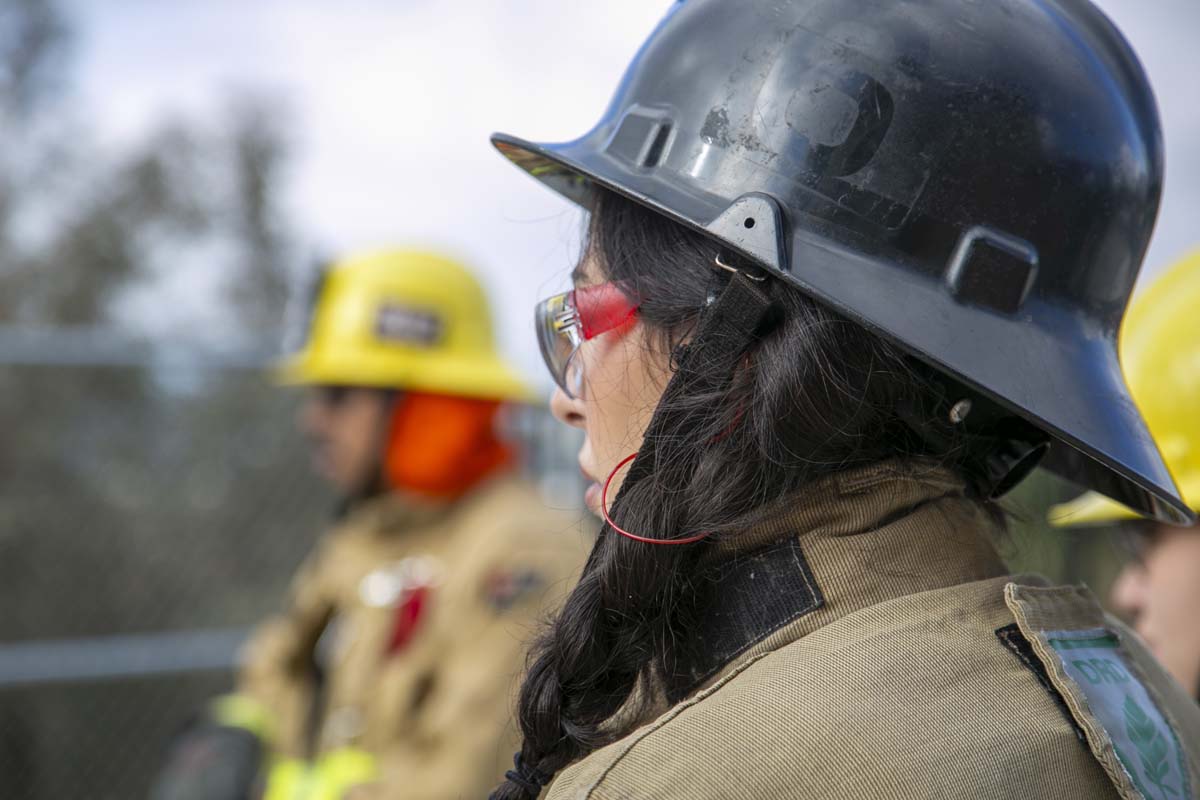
[
  {"x": 397, "y": 513},
  {"x": 390, "y": 513},
  {"x": 846, "y": 542}
]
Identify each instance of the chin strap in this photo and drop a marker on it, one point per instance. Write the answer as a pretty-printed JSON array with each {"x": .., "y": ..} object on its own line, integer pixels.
[{"x": 1003, "y": 450}]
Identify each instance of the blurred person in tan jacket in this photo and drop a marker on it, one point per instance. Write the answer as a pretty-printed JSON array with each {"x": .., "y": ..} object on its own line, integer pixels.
[
  {"x": 391, "y": 672},
  {"x": 1159, "y": 586}
]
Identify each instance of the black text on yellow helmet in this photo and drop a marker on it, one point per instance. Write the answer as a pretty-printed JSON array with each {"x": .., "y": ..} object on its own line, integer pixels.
[{"x": 404, "y": 319}]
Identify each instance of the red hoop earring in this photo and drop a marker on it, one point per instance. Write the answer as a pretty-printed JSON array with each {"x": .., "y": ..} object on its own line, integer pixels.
[{"x": 627, "y": 534}]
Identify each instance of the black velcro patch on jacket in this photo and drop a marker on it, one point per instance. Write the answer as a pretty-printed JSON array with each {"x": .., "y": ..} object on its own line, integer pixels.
[
  {"x": 740, "y": 602},
  {"x": 1012, "y": 638}
]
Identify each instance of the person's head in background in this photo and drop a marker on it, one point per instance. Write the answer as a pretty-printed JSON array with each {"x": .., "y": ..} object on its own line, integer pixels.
[
  {"x": 347, "y": 426},
  {"x": 1159, "y": 586},
  {"x": 403, "y": 378},
  {"x": 1159, "y": 589}
]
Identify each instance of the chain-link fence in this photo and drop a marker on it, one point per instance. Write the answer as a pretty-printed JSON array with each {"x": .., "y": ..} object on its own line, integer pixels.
[{"x": 151, "y": 511}]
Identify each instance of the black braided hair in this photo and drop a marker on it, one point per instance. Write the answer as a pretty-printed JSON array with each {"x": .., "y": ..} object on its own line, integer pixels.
[{"x": 816, "y": 394}]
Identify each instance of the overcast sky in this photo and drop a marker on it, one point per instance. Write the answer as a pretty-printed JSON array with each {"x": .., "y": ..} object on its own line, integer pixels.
[{"x": 392, "y": 103}]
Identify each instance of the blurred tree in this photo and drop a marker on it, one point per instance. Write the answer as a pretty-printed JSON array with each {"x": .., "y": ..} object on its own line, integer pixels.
[
  {"x": 259, "y": 288},
  {"x": 33, "y": 41},
  {"x": 33, "y": 37},
  {"x": 187, "y": 194},
  {"x": 145, "y": 497}
]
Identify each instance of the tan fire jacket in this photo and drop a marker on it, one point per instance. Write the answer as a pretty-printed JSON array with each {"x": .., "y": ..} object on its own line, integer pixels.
[
  {"x": 867, "y": 644},
  {"x": 420, "y": 615}
]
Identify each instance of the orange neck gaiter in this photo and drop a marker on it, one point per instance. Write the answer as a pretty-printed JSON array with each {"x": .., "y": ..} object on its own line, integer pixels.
[{"x": 441, "y": 446}]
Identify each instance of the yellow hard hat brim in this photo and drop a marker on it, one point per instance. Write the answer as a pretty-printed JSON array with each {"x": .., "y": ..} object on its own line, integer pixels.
[
  {"x": 408, "y": 320},
  {"x": 463, "y": 377},
  {"x": 1094, "y": 508}
]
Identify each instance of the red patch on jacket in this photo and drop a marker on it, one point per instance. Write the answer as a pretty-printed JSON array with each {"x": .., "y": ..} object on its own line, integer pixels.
[{"x": 409, "y": 611}]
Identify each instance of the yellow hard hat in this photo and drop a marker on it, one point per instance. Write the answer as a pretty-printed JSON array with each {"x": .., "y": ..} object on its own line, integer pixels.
[
  {"x": 1160, "y": 355},
  {"x": 404, "y": 319}
]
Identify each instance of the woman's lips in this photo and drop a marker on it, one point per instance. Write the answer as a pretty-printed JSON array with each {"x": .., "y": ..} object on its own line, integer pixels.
[
  {"x": 592, "y": 498},
  {"x": 592, "y": 495}
]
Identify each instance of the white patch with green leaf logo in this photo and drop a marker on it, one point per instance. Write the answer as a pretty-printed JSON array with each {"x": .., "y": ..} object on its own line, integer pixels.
[{"x": 1145, "y": 743}]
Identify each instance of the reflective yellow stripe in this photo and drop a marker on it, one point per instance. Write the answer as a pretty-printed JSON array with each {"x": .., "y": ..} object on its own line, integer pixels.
[
  {"x": 242, "y": 711},
  {"x": 291, "y": 779},
  {"x": 339, "y": 770},
  {"x": 333, "y": 774}
]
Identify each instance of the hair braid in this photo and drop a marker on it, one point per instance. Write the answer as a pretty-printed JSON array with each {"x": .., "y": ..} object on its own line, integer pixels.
[{"x": 817, "y": 394}]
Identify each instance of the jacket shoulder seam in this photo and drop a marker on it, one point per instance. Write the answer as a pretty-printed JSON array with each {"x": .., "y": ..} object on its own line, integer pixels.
[{"x": 638, "y": 736}]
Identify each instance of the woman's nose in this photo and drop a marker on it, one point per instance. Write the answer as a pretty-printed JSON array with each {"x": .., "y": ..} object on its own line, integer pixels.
[{"x": 567, "y": 410}]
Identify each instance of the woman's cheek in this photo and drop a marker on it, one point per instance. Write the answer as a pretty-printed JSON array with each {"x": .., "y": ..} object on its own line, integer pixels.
[
  {"x": 623, "y": 385},
  {"x": 608, "y": 418}
]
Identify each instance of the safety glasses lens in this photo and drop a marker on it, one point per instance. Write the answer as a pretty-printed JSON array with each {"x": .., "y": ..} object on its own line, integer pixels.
[
  {"x": 558, "y": 336},
  {"x": 567, "y": 320}
]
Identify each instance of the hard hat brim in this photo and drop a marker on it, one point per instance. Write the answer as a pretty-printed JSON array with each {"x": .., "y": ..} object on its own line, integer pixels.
[
  {"x": 1075, "y": 392},
  {"x": 1094, "y": 508},
  {"x": 482, "y": 378},
  {"x": 1089, "y": 509}
]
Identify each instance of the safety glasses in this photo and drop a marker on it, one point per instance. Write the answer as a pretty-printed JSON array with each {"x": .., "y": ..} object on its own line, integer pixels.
[{"x": 565, "y": 321}]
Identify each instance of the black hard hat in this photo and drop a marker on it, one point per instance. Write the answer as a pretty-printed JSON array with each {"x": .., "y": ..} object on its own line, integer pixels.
[{"x": 975, "y": 179}]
